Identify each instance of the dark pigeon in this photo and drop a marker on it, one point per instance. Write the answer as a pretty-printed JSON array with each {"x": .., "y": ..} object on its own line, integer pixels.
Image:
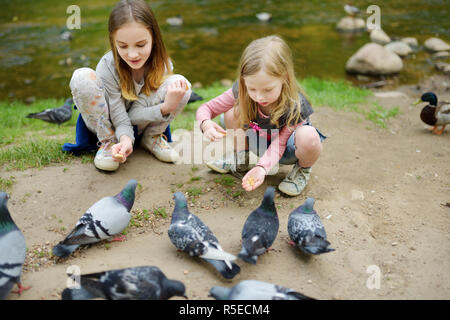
[
  {"x": 12, "y": 251},
  {"x": 260, "y": 229},
  {"x": 57, "y": 115},
  {"x": 256, "y": 290},
  {"x": 306, "y": 229},
  {"x": 104, "y": 219},
  {"x": 139, "y": 283},
  {"x": 194, "y": 97},
  {"x": 189, "y": 234}
]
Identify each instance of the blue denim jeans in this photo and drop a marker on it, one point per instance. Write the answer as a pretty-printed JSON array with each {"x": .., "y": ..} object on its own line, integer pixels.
[{"x": 288, "y": 157}]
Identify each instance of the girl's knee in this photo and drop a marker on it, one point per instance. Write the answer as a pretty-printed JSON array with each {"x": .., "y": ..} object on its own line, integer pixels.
[
  {"x": 307, "y": 138},
  {"x": 81, "y": 76},
  {"x": 173, "y": 78}
]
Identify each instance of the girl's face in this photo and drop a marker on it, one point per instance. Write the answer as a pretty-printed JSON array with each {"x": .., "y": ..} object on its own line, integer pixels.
[
  {"x": 262, "y": 88},
  {"x": 134, "y": 44}
]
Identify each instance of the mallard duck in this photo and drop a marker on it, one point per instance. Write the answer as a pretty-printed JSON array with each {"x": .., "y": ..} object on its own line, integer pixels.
[{"x": 435, "y": 114}]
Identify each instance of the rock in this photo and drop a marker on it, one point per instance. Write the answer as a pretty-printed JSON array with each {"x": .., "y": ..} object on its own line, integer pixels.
[
  {"x": 379, "y": 36},
  {"x": 226, "y": 82},
  {"x": 66, "y": 36},
  {"x": 197, "y": 85},
  {"x": 264, "y": 16},
  {"x": 441, "y": 55},
  {"x": 30, "y": 100},
  {"x": 349, "y": 24},
  {"x": 410, "y": 41},
  {"x": 442, "y": 66},
  {"x": 374, "y": 59},
  {"x": 436, "y": 44},
  {"x": 175, "y": 21},
  {"x": 399, "y": 47},
  {"x": 27, "y": 81},
  {"x": 391, "y": 95}
]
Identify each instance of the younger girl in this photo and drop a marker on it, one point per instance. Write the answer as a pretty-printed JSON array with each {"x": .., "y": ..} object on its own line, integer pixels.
[
  {"x": 268, "y": 104},
  {"x": 132, "y": 85}
]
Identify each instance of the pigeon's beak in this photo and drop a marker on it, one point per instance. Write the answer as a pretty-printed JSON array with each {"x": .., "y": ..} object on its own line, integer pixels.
[{"x": 417, "y": 102}]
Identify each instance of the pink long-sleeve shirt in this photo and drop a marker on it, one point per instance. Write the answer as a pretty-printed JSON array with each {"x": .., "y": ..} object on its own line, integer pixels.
[{"x": 225, "y": 102}]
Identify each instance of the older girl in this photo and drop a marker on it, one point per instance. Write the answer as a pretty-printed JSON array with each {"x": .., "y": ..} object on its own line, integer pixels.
[{"x": 133, "y": 85}]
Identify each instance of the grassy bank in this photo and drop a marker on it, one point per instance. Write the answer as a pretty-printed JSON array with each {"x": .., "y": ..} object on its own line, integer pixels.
[{"x": 30, "y": 143}]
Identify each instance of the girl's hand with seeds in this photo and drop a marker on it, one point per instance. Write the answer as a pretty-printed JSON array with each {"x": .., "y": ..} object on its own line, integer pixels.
[{"x": 254, "y": 178}]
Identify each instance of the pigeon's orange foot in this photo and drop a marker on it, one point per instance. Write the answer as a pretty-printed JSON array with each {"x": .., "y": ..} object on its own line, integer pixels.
[
  {"x": 21, "y": 289},
  {"x": 291, "y": 243},
  {"x": 120, "y": 239}
]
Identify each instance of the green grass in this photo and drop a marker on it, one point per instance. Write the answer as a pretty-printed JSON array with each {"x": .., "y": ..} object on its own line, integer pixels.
[
  {"x": 339, "y": 95},
  {"x": 32, "y": 143},
  {"x": 5, "y": 184},
  {"x": 225, "y": 180},
  {"x": 378, "y": 114}
]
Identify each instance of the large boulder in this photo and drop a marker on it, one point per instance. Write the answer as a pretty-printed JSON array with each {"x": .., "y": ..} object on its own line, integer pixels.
[
  {"x": 399, "y": 47},
  {"x": 350, "y": 24},
  {"x": 379, "y": 36},
  {"x": 436, "y": 44},
  {"x": 374, "y": 59}
]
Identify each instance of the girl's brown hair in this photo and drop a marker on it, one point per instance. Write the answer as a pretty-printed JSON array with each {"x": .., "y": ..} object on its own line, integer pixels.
[
  {"x": 139, "y": 11},
  {"x": 272, "y": 55}
]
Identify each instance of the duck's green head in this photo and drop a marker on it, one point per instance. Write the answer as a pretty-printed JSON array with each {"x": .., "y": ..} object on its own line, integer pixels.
[{"x": 429, "y": 97}]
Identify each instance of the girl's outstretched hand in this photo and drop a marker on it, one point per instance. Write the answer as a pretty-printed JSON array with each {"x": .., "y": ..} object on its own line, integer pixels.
[
  {"x": 254, "y": 178},
  {"x": 213, "y": 131},
  {"x": 175, "y": 92},
  {"x": 120, "y": 151}
]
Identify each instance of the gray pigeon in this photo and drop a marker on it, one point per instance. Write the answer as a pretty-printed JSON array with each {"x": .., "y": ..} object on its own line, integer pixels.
[
  {"x": 138, "y": 283},
  {"x": 256, "y": 290},
  {"x": 57, "y": 115},
  {"x": 189, "y": 234},
  {"x": 260, "y": 229},
  {"x": 12, "y": 251},
  {"x": 104, "y": 219},
  {"x": 306, "y": 229}
]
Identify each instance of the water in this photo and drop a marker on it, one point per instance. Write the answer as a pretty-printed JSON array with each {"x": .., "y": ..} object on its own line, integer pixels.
[{"x": 35, "y": 61}]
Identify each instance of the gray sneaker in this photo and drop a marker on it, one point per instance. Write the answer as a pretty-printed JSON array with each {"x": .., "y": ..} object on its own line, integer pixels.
[
  {"x": 233, "y": 162},
  {"x": 295, "y": 181}
]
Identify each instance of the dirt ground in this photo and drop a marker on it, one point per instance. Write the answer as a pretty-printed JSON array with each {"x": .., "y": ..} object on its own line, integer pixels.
[{"x": 383, "y": 195}]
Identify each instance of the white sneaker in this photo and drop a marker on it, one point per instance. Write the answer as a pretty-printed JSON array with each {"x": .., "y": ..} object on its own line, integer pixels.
[
  {"x": 233, "y": 162},
  {"x": 103, "y": 159},
  {"x": 295, "y": 181},
  {"x": 160, "y": 148}
]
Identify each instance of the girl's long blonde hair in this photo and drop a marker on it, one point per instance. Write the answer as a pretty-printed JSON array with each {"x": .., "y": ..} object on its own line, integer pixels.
[
  {"x": 139, "y": 11},
  {"x": 272, "y": 55}
]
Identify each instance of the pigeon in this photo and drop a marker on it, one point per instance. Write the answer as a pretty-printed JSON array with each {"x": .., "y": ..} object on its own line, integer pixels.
[
  {"x": 57, "y": 115},
  {"x": 138, "y": 283},
  {"x": 105, "y": 218},
  {"x": 194, "y": 97},
  {"x": 189, "y": 234},
  {"x": 256, "y": 290},
  {"x": 12, "y": 251},
  {"x": 306, "y": 229},
  {"x": 260, "y": 229}
]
